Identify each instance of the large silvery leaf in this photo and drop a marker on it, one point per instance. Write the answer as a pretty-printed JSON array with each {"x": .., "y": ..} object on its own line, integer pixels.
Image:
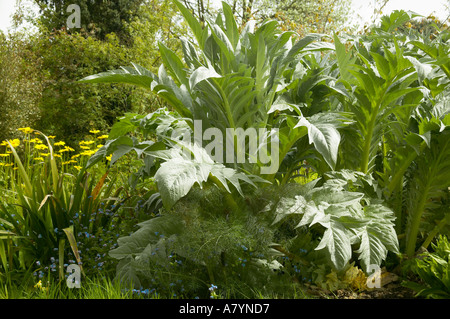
[
  {"x": 324, "y": 136},
  {"x": 382, "y": 225},
  {"x": 312, "y": 214},
  {"x": 152, "y": 239},
  {"x": 371, "y": 250},
  {"x": 288, "y": 206},
  {"x": 337, "y": 243},
  {"x": 335, "y": 196},
  {"x": 149, "y": 233},
  {"x": 227, "y": 175},
  {"x": 345, "y": 220},
  {"x": 126, "y": 272},
  {"x": 189, "y": 163},
  {"x": 176, "y": 177},
  {"x": 136, "y": 75},
  {"x": 200, "y": 74}
]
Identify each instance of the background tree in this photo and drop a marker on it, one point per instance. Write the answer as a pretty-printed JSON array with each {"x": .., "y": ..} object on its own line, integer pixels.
[
  {"x": 98, "y": 16},
  {"x": 69, "y": 109},
  {"x": 318, "y": 16},
  {"x": 156, "y": 21},
  {"x": 302, "y": 16},
  {"x": 20, "y": 88}
]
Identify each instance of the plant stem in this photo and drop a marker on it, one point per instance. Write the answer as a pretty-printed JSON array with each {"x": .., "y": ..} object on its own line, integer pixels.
[
  {"x": 367, "y": 143},
  {"x": 434, "y": 232},
  {"x": 398, "y": 175}
]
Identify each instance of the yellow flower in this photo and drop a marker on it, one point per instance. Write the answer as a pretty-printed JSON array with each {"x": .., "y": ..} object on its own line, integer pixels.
[
  {"x": 87, "y": 153},
  {"x": 51, "y": 137},
  {"x": 75, "y": 156},
  {"x": 39, "y": 159},
  {"x": 36, "y": 140},
  {"x": 15, "y": 142},
  {"x": 4, "y": 143},
  {"x": 109, "y": 157},
  {"x": 41, "y": 147},
  {"x": 26, "y": 130},
  {"x": 69, "y": 162},
  {"x": 63, "y": 150},
  {"x": 86, "y": 142},
  {"x": 68, "y": 148},
  {"x": 85, "y": 147},
  {"x": 2, "y": 164},
  {"x": 94, "y": 131},
  {"x": 102, "y": 137},
  {"x": 78, "y": 167},
  {"x": 40, "y": 287},
  {"x": 57, "y": 155},
  {"x": 44, "y": 154},
  {"x": 4, "y": 155},
  {"x": 60, "y": 143}
]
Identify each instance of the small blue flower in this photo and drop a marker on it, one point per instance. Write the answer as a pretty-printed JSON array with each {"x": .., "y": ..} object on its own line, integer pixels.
[{"x": 213, "y": 287}]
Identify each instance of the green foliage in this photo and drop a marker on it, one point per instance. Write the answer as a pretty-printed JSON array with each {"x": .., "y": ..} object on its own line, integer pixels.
[
  {"x": 323, "y": 16},
  {"x": 434, "y": 271},
  {"x": 195, "y": 244},
  {"x": 101, "y": 18},
  {"x": 244, "y": 78},
  {"x": 395, "y": 87},
  {"x": 366, "y": 116},
  {"x": 239, "y": 76},
  {"x": 346, "y": 219},
  {"x": 50, "y": 209},
  {"x": 69, "y": 110},
  {"x": 20, "y": 88}
]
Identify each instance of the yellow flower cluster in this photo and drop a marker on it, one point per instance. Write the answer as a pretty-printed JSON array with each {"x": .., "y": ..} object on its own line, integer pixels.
[{"x": 36, "y": 149}]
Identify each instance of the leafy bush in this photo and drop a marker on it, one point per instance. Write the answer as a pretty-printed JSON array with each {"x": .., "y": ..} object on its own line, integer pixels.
[{"x": 69, "y": 110}]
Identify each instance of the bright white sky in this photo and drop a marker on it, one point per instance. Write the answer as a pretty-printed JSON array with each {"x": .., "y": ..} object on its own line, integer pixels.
[{"x": 362, "y": 8}]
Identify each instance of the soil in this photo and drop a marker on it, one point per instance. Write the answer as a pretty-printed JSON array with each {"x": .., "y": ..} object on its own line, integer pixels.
[{"x": 390, "y": 291}]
